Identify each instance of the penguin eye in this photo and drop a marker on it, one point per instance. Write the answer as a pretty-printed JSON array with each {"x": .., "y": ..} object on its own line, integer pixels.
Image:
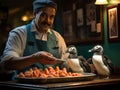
[
  {"x": 70, "y": 49},
  {"x": 73, "y": 49},
  {"x": 98, "y": 47}
]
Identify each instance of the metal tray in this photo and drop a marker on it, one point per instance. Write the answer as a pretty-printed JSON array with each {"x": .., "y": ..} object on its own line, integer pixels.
[{"x": 84, "y": 77}]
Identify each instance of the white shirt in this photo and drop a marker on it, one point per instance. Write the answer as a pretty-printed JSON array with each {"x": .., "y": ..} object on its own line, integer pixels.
[{"x": 17, "y": 41}]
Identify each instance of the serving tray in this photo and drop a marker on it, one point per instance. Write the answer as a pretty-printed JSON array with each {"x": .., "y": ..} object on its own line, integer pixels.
[{"x": 85, "y": 76}]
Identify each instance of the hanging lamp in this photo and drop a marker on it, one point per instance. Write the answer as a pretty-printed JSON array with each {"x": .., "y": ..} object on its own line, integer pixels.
[
  {"x": 114, "y": 1},
  {"x": 101, "y": 2}
]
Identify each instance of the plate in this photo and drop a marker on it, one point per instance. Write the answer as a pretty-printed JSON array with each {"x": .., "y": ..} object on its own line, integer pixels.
[
  {"x": 84, "y": 77},
  {"x": 61, "y": 60}
]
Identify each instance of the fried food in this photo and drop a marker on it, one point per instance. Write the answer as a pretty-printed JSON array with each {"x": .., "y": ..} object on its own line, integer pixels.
[{"x": 49, "y": 72}]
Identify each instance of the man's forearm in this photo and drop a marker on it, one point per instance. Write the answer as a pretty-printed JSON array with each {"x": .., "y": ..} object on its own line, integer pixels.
[{"x": 17, "y": 63}]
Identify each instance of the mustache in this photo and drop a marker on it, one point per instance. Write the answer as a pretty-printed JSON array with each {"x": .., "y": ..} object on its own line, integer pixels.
[{"x": 45, "y": 23}]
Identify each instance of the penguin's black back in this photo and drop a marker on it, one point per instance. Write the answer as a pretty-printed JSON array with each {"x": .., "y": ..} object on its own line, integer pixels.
[{"x": 108, "y": 63}]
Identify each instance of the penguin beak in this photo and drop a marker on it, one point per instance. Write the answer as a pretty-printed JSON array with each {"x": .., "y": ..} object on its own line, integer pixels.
[{"x": 91, "y": 50}]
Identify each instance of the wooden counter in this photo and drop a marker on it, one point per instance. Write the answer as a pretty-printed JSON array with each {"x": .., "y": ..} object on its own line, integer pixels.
[{"x": 97, "y": 83}]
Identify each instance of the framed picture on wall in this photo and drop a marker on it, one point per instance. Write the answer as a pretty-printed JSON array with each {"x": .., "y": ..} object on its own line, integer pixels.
[
  {"x": 68, "y": 21},
  {"x": 113, "y": 22},
  {"x": 80, "y": 20},
  {"x": 90, "y": 13}
]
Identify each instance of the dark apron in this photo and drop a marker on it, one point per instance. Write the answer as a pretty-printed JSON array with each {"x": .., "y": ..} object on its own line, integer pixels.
[{"x": 34, "y": 45}]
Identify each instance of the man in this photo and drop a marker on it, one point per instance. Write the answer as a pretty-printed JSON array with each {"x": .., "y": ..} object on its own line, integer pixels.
[{"x": 35, "y": 44}]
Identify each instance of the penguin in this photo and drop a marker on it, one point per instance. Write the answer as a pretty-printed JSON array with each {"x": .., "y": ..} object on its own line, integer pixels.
[
  {"x": 97, "y": 59},
  {"x": 71, "y": 49},
  {"x": 75, "y": 62}
]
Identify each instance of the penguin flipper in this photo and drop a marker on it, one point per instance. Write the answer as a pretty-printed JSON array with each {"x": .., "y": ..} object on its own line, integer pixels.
[
  {"x": 84, "y": 64},
  {"x": 108, "y": 63}
]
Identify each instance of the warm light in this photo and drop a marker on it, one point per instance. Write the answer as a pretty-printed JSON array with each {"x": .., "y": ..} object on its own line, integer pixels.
[
  {"x": 27, "y": 16},
  {"x": 24, "y": 18},
  {"x": 114, "y": 1},
  {"x": 101, "y": 2}
]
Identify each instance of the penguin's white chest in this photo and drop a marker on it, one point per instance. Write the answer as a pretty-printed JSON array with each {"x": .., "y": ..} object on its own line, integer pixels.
[
  {"x": 101, "y": 68},
  {"x": 74, "y": 65}
]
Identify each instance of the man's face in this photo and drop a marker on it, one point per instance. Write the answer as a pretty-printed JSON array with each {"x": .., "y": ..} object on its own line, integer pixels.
[{"x": 45, "y": 18}]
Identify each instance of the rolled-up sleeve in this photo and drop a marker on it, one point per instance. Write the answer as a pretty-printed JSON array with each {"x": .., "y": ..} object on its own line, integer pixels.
[{"x": 15, "y": 44}]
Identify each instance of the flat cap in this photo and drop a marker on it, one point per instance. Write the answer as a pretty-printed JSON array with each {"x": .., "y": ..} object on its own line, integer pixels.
[{"x": 38, "y": 4}]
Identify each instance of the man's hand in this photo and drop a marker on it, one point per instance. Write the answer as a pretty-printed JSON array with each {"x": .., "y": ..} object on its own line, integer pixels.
[{"x": 45, "y": 57}]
